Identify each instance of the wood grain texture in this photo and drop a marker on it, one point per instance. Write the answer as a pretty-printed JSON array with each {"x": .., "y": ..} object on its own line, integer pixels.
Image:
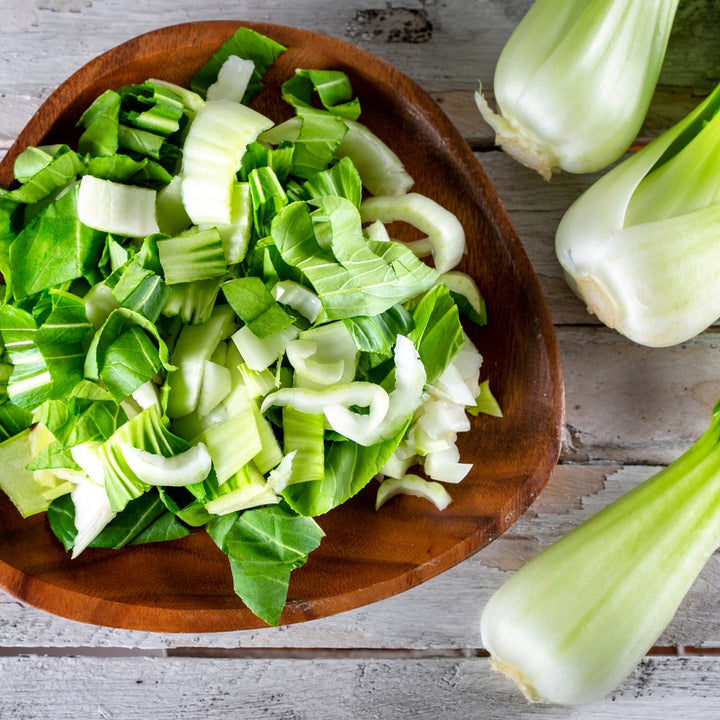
[
  {"x": 41, "y": 44},
  {"x": 329, "y": 689}
]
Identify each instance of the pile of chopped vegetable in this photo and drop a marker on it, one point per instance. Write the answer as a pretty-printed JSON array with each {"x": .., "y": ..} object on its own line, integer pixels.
[{"x": 206, "y": 324}]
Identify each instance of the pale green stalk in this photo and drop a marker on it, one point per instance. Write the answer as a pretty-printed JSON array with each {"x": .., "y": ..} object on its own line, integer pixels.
[
  {"x": 640, "y": 246},
  {"x": 575, "y": 79},
  {"x": 576, "y": 620}
]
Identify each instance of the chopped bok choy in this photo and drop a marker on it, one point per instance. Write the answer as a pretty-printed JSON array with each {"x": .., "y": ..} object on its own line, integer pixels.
[
  {"x": 200, "y": 332},
  {"x": 574, "y": 81}
]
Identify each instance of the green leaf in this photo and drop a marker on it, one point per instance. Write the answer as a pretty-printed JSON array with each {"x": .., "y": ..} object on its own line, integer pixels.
[
  {"x": 268, "y": 198},
  {"x": 30, "y": 383},
  {"x": 349, "y": 467},
  {"x": 104, "y": 351},
  {"x": 320, "y": 134},
  {"x": 353, "y": 276},
  {"x": 332, "y": 87},
  {"x": 138, "y": 515},
  {"x": 342, "y": 179},
  {"x": 61, "y": 518},
  {"x": 53, "y": 456},
  {"x": 377, "y": 333},
  {"x": 144, "y": 520},
  {"x": 13, "y": 419},
  {"x": 255, "y": 306},
  {"x": 166, "y": 527},
  {"x": 264, "y": 545},
  {"x": 140, "y": 289},
  {"x": 33, "y": 159},
  {"x": 101, "y": 122},
  {"x": 78, "y": 420},
  {"x": 438, "y": 334},
  {"x": 152, "y": 107},
  {"x": 62, "y": 169},
  {"x": 192, "y": 256},
  {"x": 54, "y": 248},
  {"x": 279, "y": 160},
  {"x": 61, "y": 340},
  {"x": 129, "y": 362},
  {"x": 244, "y": 43},
  {"x": 124, "y": 169}
]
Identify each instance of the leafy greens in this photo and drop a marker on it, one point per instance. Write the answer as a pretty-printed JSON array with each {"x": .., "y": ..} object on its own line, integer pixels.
[{"x": 183, "y": 269}]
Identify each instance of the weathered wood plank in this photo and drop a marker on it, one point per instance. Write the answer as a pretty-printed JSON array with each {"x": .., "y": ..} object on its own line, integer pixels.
[
  {"x": 629, "y": 403},
  {"x": 452, "y": 688}
]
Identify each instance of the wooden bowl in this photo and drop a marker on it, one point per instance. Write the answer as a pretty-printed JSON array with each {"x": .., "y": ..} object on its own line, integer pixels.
[{"x": 186, "y": 585}]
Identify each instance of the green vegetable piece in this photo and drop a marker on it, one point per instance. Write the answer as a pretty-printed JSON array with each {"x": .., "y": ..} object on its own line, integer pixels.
[
  {"x": 357, "y": 277},
  {"x": 144, "y": 520},
  {"x": 255, "y": 306},
  {"x": 60, "y": 170},
  {"x": 333, "y": 88},
  {"x": 279, "y": 160},
  {"x": 140, "y": 289},
  {"x": 143, "y": 172},
  {"x": 195, "y": 345},
  {"x": 320, "y": 134},
  {"x": 152, "y": 107},
  {"x": 639, "y": 246},
  {"x": 54, "y": 248},
  {"x": 267, "y": 196},
  {"x": 147, "y": 431},
  {"x": 192, "y": 256},
  {"x": 77, "y": 419},
  {"x": 304, "y": 435},
  {"x": 125, "y": 363},
  {"x": 377, "y": 333},
  {"x": 129, "y": 362},
  {"x": 33, "y": 159},
  {"x": 245, "y": 43},
  {"x": 579, "y": 121},
  {"x": 342, "y": 179},
  {"x": 438, "y": 333},
  {"x": 192, "y": 302},
  {"x": 101, "y": 121},
  {"x": 13, "y": 419},
  {"x": 349, "y": 467},
  {"x": 264, "y": 545},
  {"x": 61, "y": 518},
  {"x": 30, "y": 383},
  {"x": 31, "y": 493},
  {"x": 62, "y": 341}
]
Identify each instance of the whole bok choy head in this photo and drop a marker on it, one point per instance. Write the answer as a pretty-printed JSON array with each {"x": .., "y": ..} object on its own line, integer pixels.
[
  {"x": 575, "y": 621},
  {"x": 575, "y": 79},
  {"x": 641, "y": 246}
]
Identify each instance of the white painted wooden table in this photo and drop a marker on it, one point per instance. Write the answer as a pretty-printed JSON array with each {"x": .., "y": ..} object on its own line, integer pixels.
[{"x": 417, "y": 655}]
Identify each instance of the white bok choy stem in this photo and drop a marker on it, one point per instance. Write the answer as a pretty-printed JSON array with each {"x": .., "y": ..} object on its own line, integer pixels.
[
  {"x": 574, "y": 81},
  {"x": 575, "y": 621},
  {"x": 641, "y": 246}
]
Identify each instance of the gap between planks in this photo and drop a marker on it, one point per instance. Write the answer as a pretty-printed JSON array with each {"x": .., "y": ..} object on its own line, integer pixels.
[{"x": 301, "y": 653}]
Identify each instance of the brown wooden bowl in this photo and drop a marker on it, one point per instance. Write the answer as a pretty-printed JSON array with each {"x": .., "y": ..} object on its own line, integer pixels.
[{"x": 185, "y": 585}]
